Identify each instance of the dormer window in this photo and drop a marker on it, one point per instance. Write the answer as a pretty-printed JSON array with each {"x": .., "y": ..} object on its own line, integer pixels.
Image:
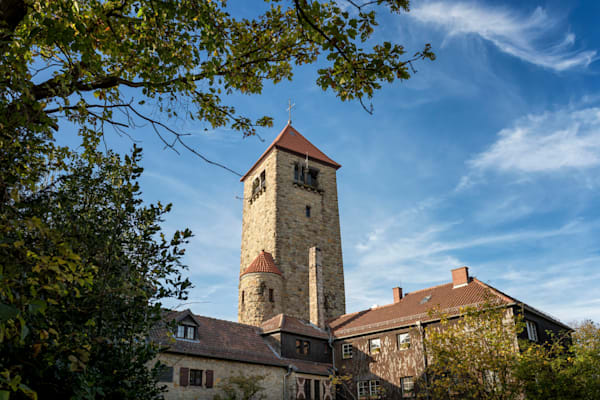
[
  {"x": 186, "y": 332},
  {"x": 306, "y": 175}
]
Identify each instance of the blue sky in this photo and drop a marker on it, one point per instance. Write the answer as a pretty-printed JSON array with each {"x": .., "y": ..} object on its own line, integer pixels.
[{"x": 488, "y": 157}]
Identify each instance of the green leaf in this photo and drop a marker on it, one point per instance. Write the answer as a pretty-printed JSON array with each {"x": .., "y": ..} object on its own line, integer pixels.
[{"x": 7, "y": 312}]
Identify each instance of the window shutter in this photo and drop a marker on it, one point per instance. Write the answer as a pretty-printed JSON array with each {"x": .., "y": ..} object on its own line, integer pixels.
[
  {"x": 184, "y": 374},
  {"x": 209, "y": 378}
]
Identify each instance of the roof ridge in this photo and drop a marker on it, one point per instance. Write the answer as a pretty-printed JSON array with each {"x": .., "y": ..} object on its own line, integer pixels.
[
  {"x": 426, "y": 289},
  {"x": 497, "y": 292}
]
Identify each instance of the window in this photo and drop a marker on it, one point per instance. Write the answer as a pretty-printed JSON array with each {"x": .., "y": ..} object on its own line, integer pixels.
[
  {"x": 346, "y": 350},
  {"x": 407, "y": 385},
  {"x": 259, "y": 183},
  {"x": 243, "y": 293},
  {"x": 374, "y": 389},
  {"x": 531, "y": 331},
  {"x": 308, "y": 211},
  {"x": 369, "y": 389},
  {"x": 302, "y": 347},
  {"x": 403, "y": 341},
  {"x": 186, "y": 332},
  {"x": 263, "y": 179},
  {"x": 307, "y": 176},
  {"x": 271, "y": 295},
  {"x": 317, "y": 391},
  {"x": 166, "y": 374},
  {"x": 311, "y": 177},
  {"x": 195, "y": 377},
  {"x": 374, "y": 346},
  {"x": 363, "y": 389}
]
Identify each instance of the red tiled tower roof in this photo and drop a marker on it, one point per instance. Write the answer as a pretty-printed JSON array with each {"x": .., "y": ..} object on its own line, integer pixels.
[
  {"x": 291, "y": 140},
  {"x": 263, "y": 263}
]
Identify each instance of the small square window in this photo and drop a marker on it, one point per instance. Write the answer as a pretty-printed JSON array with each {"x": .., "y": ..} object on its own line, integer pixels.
[
  {"x": 403, "y": 341},
  {"x": 531, "y": 331},
  {"x": 374, "y": 346},
  {"x": 306, "y": 347},
  {"x": 166, "y": 374},
  {"x": 190, "y": 332},
  {"x": 346, "y": 350},
  {"x": 363, "y": 389},
  {"x": 374, "y": 389},
  {"x": 408, "y": 386},
  {"x": 302, "y": 347},
  {"x": 195, "y": 377}
]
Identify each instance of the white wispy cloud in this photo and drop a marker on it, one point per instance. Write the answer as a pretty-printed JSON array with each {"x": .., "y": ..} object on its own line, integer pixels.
[
  {"x": 536, "y": 38},
  {"x": 403, "y": 254},
  {"x": 545, "y": 143}
]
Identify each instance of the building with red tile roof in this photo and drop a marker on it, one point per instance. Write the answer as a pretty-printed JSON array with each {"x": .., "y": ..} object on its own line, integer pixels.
[{"x": 294, "y": 330}]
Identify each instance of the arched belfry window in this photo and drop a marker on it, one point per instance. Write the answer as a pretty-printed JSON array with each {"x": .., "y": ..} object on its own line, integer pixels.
[
  {"x": 306, "y": 175},
  {"x": 259, "y": 183}
]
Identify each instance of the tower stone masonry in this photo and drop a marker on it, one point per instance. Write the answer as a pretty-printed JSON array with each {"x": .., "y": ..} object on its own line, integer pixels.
[{"x": 290, "y": 206}]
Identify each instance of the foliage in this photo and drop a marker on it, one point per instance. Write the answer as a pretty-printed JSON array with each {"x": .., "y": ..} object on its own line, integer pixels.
[
  {"x": 567, "y": 367},
  {"x": 84, "y": 266},
  {"x": 241, "y": 388},
  {"x": 474, "y": 356},
  {"x": 86, "y": 60},
  {"x": 83, "y": 263}
]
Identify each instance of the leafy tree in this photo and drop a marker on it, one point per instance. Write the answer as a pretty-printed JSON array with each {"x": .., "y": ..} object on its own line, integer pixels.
[
  {"x": 474, "y": 356},
  {"x": 86, "y": 60},
  {"x": 84, "y": 267},
  {"x": 241, "y": 388},
  {"x": 565, "y": 368},
  {"x": 82, "y": 262}
]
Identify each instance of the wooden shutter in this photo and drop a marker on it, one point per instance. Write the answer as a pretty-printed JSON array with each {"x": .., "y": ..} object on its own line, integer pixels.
[
  {"x": 209, "y": 378},
  {"x": 184, "y": 374}
]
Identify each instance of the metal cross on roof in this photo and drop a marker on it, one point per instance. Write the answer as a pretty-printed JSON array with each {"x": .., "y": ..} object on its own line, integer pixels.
[{"x": 290, "y": 106}]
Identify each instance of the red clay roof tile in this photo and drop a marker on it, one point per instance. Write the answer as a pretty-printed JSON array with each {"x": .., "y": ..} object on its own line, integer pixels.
[
  {"x": 416, "y": 306},
  {"x": 287, "y": 323},
  {"x": 229, "y": 341},
  {"x": 291, "y": 140},
  {"x": 262, "y": 263}
]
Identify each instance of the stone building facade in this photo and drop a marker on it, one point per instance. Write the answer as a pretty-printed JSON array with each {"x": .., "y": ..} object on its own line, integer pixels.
[
  {"x": 292, "y": 327},
  {"x": 291, "y": 206},
  {"x": 201, "y": 354}
]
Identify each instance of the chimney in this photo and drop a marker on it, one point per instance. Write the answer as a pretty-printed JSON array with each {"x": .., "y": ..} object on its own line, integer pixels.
[
  {"x": 315, "y": 287},
  {"x": 397, "y": 294},
  {"x": 460, "y": 277}
]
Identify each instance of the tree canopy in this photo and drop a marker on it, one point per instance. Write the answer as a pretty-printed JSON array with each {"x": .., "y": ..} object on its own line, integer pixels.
[
  {"x": 96, "y": 62},
  {"x": 83, "y": 262}
]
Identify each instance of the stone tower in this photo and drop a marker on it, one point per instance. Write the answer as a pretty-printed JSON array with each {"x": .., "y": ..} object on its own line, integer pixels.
[{"x": 291, "y": 257}]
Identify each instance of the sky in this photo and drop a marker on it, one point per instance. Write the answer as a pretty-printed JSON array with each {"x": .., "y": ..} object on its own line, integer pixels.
[{"x": 487, "y": 157}]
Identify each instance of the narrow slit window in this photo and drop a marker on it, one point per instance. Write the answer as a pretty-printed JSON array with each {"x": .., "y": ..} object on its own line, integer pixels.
[
  {"x": 243, "y": 295},
  {"x": 308, "y": 211},
  {"x": 271, "y": 295}
]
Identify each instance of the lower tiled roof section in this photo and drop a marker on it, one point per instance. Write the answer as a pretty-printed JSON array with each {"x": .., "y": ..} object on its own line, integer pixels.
[
  {"x": 286, "y": 323},
  {"x": 417, "y": 306},
  {"x": 263, "y": 263},
  {"x": 228, "y": 340}
]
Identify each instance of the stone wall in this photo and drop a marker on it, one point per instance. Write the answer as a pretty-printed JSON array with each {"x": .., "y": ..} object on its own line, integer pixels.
[
  {"x": 256, "y": 306},
  {"x": 273, "y": 381},
  {"x": 275, "y": 221},
  {"x": 296, "y": 234}
]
